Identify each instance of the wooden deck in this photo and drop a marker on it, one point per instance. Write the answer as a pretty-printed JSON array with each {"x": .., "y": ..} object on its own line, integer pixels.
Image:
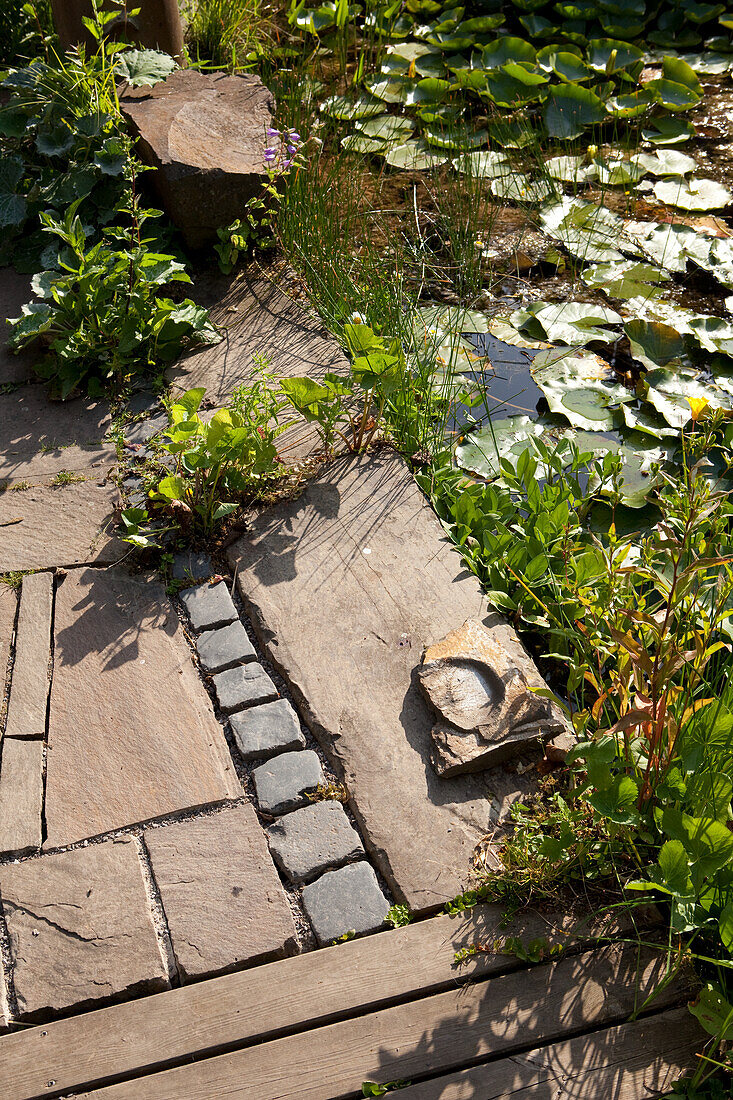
[{"x": 390, "y": 1007}]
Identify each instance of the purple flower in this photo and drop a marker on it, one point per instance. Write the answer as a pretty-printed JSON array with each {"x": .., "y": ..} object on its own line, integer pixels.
[
  {"x": 293, "y": 136},
  {"x": 270, "y": 155},
  {"x": 272, "y": 132}
]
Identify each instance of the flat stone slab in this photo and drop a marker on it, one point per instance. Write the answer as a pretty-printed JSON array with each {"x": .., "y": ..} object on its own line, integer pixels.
[
  {"x": 266, "y": 730},
  {"x": 222, "y": 648},
  {"x": 58, "y": 526},
  {"x": 347, "y": 900},
  {"x": 80, "y": 929},
  {"x": 244, "y": 686},
  {"x": 204, "y": 133},
  {"x": 29, "y": 685},
  {"x": 309, "y": 841},
  {"x": 259, "y": 319},
  {"x": 38, "y": 437},
  {"x": 8, "y": 609},
  {"x": 362, "y": 581},
  {"x": 222, "y": 897},
  {"x": 209, "y": 606},
  {"x": 132, "y": 734},
  {"x": 189, "y": 566},
  {"x": 21, "y": 795},
  {"x": 281, "y": 783}
]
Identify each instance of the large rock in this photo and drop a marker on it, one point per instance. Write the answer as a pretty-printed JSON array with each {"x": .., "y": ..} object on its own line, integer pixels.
[
  {"x": 205, "y": 133},
  {"x": 60, "y": 525},
  {"x": 346, "y": 586},
  {"x": 132, "y": 734},
  {"x": 80, "y": 929},
  {"x": 222, "y": 897},
  {"x": 485, "y": 694}
]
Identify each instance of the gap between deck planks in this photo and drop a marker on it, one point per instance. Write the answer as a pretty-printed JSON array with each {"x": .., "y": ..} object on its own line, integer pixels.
[
  {"x": 268, "y": 1001},
  {"x": 485, "y": 1019}
]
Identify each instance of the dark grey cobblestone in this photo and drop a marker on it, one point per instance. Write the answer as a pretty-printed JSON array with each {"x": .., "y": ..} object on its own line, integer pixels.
[
  {"x": 312, "y": 840},
  {"x": 281, "y": 783},
  {"x": 189, "y": 566},
  {"x": 222, "y": 648},
  {"x": 346, "y": 900},
  {"x": 244, "y": 686},
  {"x": 209, "y": 606},
  {"x": 267, "y": 730}
]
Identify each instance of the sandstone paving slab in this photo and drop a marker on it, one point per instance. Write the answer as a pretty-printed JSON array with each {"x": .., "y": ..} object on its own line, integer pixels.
[
  {"x": 346, "y": 586},
  {"x": 347, "y": 900},
  {"x": 132, "y": 734},
  {"x": 80, "y": 929},
  {"x": 223, "y": 901},
  {"x": 309, "y": 841},
  {"x": 29, "y": 685},
  {"x": 38, "y": 437},
  {"x": 222, "y": 648},
  {"x": 266, "y": 730},
  {"x": 205, "y": 135},
  {"x": 21, "y": 795},
  {"x": 259, "y": 319},
  {"x": 8, "y": 608},
  {"x": 64, "y": 525},
  {"x": 282, "y": 782}
]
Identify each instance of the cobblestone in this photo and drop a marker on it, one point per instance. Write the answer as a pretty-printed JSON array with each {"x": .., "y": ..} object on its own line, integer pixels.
[
  {"x": 281, "y": 782},
  {"x": 346, "y": 900},
  {"x": 267, "y": 730},
  {"x": 313, "y": 839},
  {"x": 209, "y": 606},
  {"x": 244, "y": 686},
  {"x": 222, "y": 648}
]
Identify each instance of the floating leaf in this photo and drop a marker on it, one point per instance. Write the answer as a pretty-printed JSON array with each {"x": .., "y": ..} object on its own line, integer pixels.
[
  {"x": 672, "y": 96},
  {"x": 626, "y": 279},
  {"x": 693, "y": 194},
  {"x": 666, "y": 162},
  {"x": 671, "y": 390},
  {"x": 487, "y": 165},
  {"x": 454, "y": 137},
  {"x": 589, "y": 232},
  {"x": 360, "y": 143},
  {"x": 668, "y": 131},
  {"x": 637, "y": 453},
  {"x": 653, "y": 343},
  {"x": 608, "y": 56},
  {"x": 390, "y": 89},
  {"x": 413, "y": 156},
  {"x": 501, "y": 50},
  {"x": 387, "y": 127},
  {"x": 568, "y": 169},
  {"x": 570, "y": 110},
  {"x": 521, "y": 189},
  {"x": 479, "y": 453},
  {"x": 139, "y": 67},
  {"x": 581, "y": 387},
  {"x": 348, "y": 107}
]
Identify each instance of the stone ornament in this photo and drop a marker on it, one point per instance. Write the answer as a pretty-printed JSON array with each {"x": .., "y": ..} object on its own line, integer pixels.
[{"x": 484, "y": 687}]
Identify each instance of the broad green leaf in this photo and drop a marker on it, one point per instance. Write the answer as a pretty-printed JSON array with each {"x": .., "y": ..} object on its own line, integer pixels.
[
  {"x": 568, "y": 322},
  {"x": 570, "y": 169},
  {"x": 665, "y": 162},
  {"x": 668, "y": 131},
  {"x": 348, "y": 107},
  {"x": 479, "y": 453},
  {"x": 653, "y": 343},
  {"x": 501, "y": 50},
  {"x": 413, "y": 156},
  {"x": 387, "y": 128},
  {"x": 670, "y": 391},
  {"x": 139, "y": 67},
  {"x": 674, "y": 867},
  {"x": 488, "y": 165},
  {"x": 360, "y": 143},
  {"x": 693, "y": 194},
  {"x": 626, "y": 279},
  {"x": 672, "y": 96},
  {"x": 581, "y": 387},
  {"x": 714, "y": 1013}
]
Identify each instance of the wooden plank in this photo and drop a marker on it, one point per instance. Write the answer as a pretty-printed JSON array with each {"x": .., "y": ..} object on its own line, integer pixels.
[
  {"x": 432, "y": 1035},
  {"x": 636, "y": 1061},
  {"x": 267, "y": 1001}
]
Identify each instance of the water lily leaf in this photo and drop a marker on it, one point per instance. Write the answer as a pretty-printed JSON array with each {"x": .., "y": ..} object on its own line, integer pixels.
[
  {"x": 668, "y": 131},
  {"x": 630, "y": 105},
  {"x": 670, "y": 391},
  {"x": 519, "y": 188},
  {"x": 507, "y": 90},
  {"x": 609, "y": 56},
  {"x": 665, "y": 162},
  {"x": 360, "y": 143},
  {"x": 708, "y": 63},
  {"x": 589, "y": 232},
  {"x": 429, "y": 90},
  {"x": 438, "y": 322},
  {"x": 454, "y": 137},
  {"x": 504, "y": 330},
  {"x": 390, "y": 89},
  {"x": 653, "y": 343},
  {"x": 570, "y": 110},
  {"x": 501, "y": 50},
  {"x": 638, "y": 454},
  {"x": 537, "y": 25},
  {"x": 658, "y": 309},
  {"x": 616, "y": 172},
  {"x": 348, "y": 107},
  {"x": 479, "y": 453},
  {"x": 679, "y": 72},
  {"x": 581, "y": 387},
  {"x": 693, "y": 194},
  {"x": 713, "y": 333},
  {"x": 144, "y": 66},
  {"x": 482, "y": 24},
  {"x": 568, "y": 169},
  {"x": 641, "y": 418},
  {"x": 455, "y": 42},
  {"x": 571, "y": 68},
  {"x": 414, "y": 156},
  {"x": 672, "y": 96},
  {"x": 670, "y": 245},
  {"x": 486, "y": 165},
  {"x": 387, "y": 127},
  {"x": 626, "y": 279},
  {"x": 568, "y": 322}
]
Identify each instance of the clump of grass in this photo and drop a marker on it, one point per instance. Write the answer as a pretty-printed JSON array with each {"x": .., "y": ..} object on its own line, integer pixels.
[
  {"x": 66, "y": 477},
  {"x": 230, "y": 34}
]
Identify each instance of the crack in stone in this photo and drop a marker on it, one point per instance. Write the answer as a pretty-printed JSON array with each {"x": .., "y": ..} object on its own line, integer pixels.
[{"x": 59, "y": 927}]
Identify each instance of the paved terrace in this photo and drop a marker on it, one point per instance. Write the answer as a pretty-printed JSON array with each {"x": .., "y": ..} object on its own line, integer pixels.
[{"x": 199, "y": 794}]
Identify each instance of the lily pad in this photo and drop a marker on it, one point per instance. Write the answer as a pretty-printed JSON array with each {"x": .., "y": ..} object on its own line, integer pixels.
[
  {"x": 501, "y": 50},
  {"x": 360, "y": 143},
  {"x": 654, "y": 344},
  {"x": 519, "y": 188},
  {"x": 670, "y": 391},
  {"x": 668, "y": 131},
  {"x": 571, "y": 110},
  {"x": 387, "y": 128},
  {"x": 568, "y": 169},
  {"x": 693, "y": 194},
  {"x": 479, "y": 453},
  {"x": 581, "y": 387},
  {"x": 666, "y": 162},
  {"x": 348, "y": 107},
  {"x": 626, "y": 279},
  {"x": 638, "y": 455},
  {"x": 487, "y": 165}
]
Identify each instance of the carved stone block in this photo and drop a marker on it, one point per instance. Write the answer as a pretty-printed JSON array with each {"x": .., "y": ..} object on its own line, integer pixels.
[{"x": 484, "y": 687}]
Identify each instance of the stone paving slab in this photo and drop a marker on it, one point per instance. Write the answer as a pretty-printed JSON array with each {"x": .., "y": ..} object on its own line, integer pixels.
[
  {"x": 209, "y": 606},
  {"x": 346, "y": 586},
  {"x": 222, "y": 897},
  {"x": 281, "y": 783},
  {"x": 243, "y": 686},
  {"x": 132, "y": 734},
  {"x": 221, "y": 649},
  {"x": 267, "y": 730},
  {"x": 21, "y": 795},
  {"x": 80, "y": 929},
  {"x": 39, "y": 437},
  {"x": 8, "y": 607},
  {"x": 309, "y": 841},
  {"x": 347, "y": 900},
  {"x": 29, "y": 684},
  {"x": 66, "y": 525}
]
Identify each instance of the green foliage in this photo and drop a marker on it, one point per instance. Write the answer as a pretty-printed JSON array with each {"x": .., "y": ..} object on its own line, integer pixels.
[
  {"x": 219, "y": 462},
  {"x": 369, "y": 1088},
  {"x": 399, "y": 916},
  {"x": 233, "y": 34},
  {"x": 24, "y": 29}
]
